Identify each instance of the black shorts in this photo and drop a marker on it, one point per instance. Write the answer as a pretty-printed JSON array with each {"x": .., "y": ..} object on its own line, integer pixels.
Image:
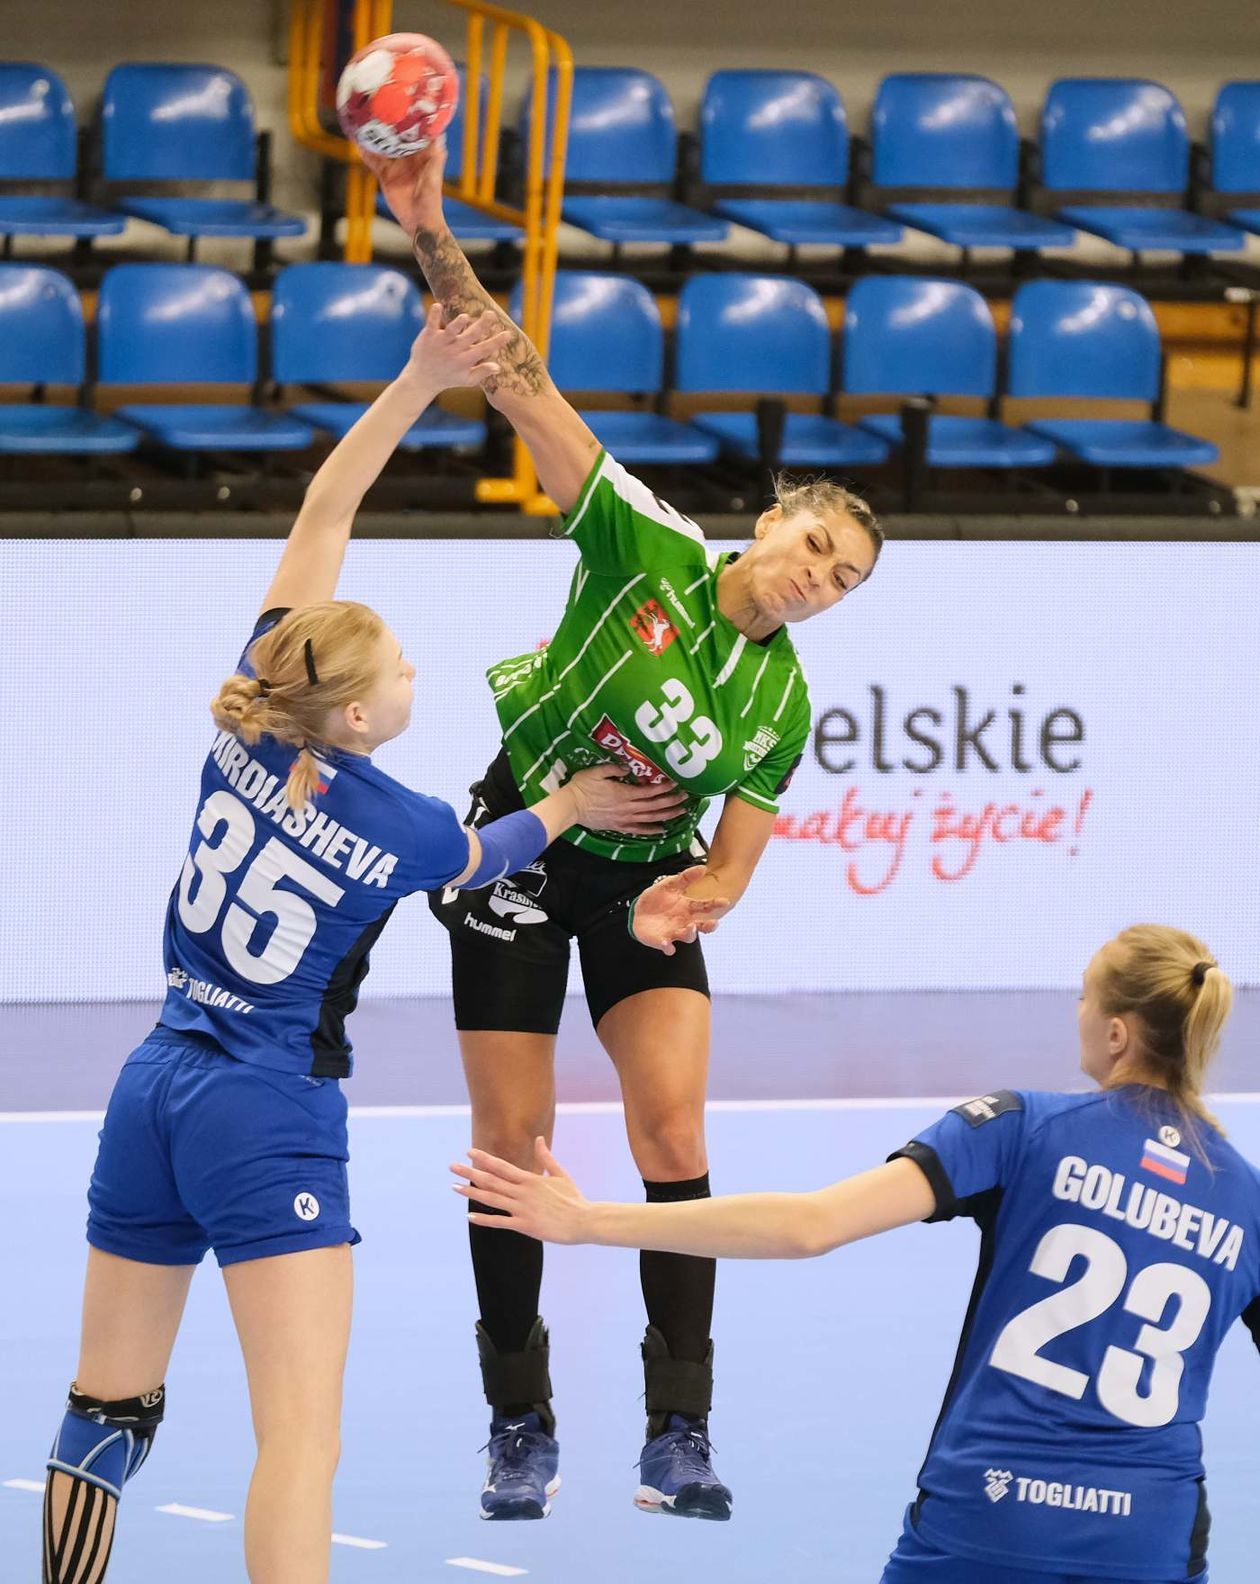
[{"x": 510, "y": 941}]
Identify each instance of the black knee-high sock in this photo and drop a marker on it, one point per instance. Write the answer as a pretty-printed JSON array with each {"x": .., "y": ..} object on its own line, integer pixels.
[
  {"x": 508, "y": 1271},
  {"x": 678, "y": 1288}
]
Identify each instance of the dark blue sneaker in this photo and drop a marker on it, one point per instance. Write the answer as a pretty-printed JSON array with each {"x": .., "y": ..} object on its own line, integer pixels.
[
  {"x": 521, "y": 1475},
  {"x": 677, "y": 1473}
]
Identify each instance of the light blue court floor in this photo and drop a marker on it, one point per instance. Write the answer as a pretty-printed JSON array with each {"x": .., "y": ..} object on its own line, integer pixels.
[{"x": 830, "y": 1373}]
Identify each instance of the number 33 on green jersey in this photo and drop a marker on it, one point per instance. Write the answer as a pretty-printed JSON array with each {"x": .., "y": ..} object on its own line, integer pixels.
[{"x": 645, "y": 669}]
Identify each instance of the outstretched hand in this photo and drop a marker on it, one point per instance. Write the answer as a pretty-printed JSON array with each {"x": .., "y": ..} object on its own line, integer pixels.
[
  {"x": 664, "y": 915},
  {"x": 459, "y": 353},
  {"x": 545, "y": 1203}
]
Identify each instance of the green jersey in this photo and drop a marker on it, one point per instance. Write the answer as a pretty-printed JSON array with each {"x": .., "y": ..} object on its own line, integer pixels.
[{"x": 645, "y": 669}]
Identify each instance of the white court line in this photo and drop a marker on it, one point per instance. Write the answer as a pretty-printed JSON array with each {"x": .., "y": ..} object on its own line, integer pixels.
[
  {"x": 499, "y": 1568},
  {"x": 614, "y": 1108},
  {"x": 363, "y": 1545},
  {"x": 205, "y": 1514},
  {"x": 27, "y": 1485}
]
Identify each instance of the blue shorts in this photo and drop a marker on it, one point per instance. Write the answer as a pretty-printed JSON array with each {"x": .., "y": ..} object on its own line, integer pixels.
[
  {"x": 916, "y": 1562},
  {"x": 202, "y": 1151}
]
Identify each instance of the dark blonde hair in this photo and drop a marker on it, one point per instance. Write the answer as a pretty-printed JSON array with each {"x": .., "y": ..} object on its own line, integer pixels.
[
  {"x": 823, "y": 497},
  {"x": 1169, "y": 982},
  {"x": 282, "y": 701}
]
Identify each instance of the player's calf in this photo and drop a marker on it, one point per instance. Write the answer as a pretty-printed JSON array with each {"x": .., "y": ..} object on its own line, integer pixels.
[{"x": 98, "y": 1448}]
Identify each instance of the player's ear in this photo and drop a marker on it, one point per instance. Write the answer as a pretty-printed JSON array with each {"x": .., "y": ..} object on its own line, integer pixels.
[{"x": 770, "y": 518}]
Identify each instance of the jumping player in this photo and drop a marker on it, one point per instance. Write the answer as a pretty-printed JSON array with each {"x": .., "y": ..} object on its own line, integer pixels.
[
  {"x": 677, "y": 664},
  {"x": 227, "y": 1126},
  {"x": 1120, "y": 1240}
]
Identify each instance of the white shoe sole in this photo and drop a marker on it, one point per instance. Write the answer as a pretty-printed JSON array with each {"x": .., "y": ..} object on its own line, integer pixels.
[{"x": 551, "y": 1490}]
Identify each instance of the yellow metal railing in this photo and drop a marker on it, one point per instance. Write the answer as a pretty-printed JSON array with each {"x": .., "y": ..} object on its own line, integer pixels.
[{"x": 551, "y": 78}]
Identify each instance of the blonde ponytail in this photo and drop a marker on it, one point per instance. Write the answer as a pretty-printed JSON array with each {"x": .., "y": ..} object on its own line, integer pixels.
[
  {"x": 313, "y": 661},
  {"x": 1169, "y": 982}
]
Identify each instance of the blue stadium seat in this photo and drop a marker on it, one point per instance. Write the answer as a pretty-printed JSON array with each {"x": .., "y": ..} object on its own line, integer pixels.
[
  {"x": 180, "y": 123},
  {"x": 1126, "y": 136},
  {"x": 42, "y": 343},
  {"x": 467, "y": 223},
  {"x": 622, "y": 134},
  {"x": 933, "y": 130},
  {"x": 187, "y": 324},
  {"x": 914, "y": 337},
  {"x": 1086, "y": 339},
  {"x": 767, "y": 334},
  {"x": 783, "y": 129},
  {"x": 353, "y": 322},
  {"x": 1236, "y": 147},
  {"x": 606, "y": 335},
  {"x": 39, "y": 143}
]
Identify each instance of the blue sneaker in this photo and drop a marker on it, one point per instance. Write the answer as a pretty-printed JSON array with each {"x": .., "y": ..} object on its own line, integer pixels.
[
  {"x": 676, "y": 1469},
  {"x": 521, "y": 1475}
]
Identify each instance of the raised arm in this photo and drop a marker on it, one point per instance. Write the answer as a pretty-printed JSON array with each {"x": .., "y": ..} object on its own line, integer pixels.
[
  {"x": 563, "y": 448},
  {"x": 463, "y": 352},
  {"x": 547, "y": 1204}
]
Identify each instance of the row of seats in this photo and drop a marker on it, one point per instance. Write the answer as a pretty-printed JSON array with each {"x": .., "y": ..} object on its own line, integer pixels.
[
  {"x": 944, "y": 157},
  {"x": 901, "y": 336},
  {"x": 773, "y": 154},
  {"x": 191, "y": 324},
  {"x": 158, "y": 123},
  {"x": 338, "y": 323}
]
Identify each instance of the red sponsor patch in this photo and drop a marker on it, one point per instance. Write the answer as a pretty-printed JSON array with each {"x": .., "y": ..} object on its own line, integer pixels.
[
  {"x": 612, "y": 740},
  {"x": 652, "y": 627}
]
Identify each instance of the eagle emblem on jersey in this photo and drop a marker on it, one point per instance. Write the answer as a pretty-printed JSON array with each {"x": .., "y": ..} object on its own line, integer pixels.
[
  {"x": 756, "y": 749},
  {"x": 652, "y": 627}
]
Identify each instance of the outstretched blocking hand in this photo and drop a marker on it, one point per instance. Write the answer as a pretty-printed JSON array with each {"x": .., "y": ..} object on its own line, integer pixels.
[
  {"x": 459, "y": 353},
  {"x": 545, "y": 1203},
  {"x": 664, "y": 914}
]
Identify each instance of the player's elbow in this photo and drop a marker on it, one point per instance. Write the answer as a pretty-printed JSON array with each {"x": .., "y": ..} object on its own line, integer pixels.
[{"x": 816, "y": 1231}]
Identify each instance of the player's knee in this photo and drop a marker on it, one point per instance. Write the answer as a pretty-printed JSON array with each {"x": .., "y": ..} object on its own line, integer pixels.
[
  {"x": 670, "y": 1150},
  {"x": 105, "y": 1443},
  {"x": 307, "y": 1445},
  {"x": 510, "y": 1137}
]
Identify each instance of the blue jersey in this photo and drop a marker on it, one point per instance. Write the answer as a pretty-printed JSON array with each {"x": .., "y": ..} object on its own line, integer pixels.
[
  {"x": 270, "y": 923},
  {"x": 1114, "y": 1258}
]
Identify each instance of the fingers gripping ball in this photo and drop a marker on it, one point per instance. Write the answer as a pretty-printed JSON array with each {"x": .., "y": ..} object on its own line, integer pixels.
[{"x": 398, "y": 94}]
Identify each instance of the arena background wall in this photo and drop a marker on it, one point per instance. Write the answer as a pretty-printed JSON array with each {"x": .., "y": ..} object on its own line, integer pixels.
[{"x": 1018, "y": 749}]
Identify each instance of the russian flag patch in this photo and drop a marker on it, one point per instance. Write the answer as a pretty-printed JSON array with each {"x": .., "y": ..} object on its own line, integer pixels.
[{"x": 1164, "y": 1161}]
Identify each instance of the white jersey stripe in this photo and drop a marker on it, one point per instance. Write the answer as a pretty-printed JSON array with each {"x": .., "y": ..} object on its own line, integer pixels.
[
  {"x": 591, "y": 486},
  {"x": 702, "y": 637},
  {"x": 787, "y": 691},
  {"x": 756, "y": 797},
  {"x": 692, "y": 587},
  {"x": 732, "y": 661},
  {"x": 752, "y": 694},
  {"x": 549, "y": 749},
  {"x": 551, "y": 692},
  {"x": 607, "y": 676}
]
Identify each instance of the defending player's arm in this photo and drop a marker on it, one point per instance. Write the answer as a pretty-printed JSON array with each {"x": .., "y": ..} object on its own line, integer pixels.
[
  {"x": 462, "y": 352},
  {"x": 562, "y": 446},
  {"x": 547, "y": 1204}
]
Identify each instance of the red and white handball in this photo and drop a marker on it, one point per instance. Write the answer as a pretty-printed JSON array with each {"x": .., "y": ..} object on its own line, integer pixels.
[{"x": 397, "y": 94}]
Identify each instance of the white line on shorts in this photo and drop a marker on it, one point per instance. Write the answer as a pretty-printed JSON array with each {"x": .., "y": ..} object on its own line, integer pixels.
[
  {"x": 28, "y": 1485},
  {"x": 363, "y": 1545},
  {"x": 205, "y": 1514},
  {"x": 501, "y": 1569}
]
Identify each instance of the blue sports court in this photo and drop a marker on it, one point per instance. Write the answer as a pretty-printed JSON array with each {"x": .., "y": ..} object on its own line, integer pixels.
[{"x": 829, "y": 1372}]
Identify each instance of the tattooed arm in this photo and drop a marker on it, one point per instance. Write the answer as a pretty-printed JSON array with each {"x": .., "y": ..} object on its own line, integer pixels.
[{"x": 562, "y": 447}]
